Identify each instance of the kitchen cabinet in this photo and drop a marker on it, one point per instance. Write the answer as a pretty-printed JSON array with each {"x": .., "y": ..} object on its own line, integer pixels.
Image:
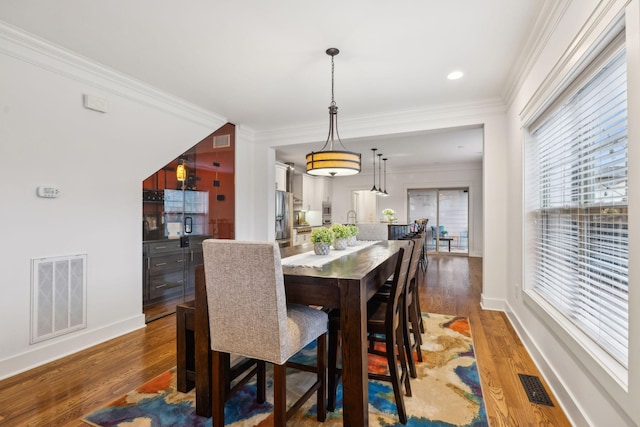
[
  {"x": 169, "y": 270},
  {"x": 301, "y": 238},
  {"x": 309, "y": 192},
  {"x": 281, "y": 176},
  {"x": 323, "y": 187}
]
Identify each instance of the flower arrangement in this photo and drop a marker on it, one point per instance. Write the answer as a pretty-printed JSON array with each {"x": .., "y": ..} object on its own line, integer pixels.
[
  {"x": 388, "y": 214},
  {"x": 353, "y": 232},
  {"x": 340, "y": 231},
  {"x": 322, "y": 235}
]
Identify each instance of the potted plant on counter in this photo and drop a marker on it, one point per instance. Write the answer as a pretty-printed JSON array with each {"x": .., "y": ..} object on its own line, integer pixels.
[
  {"x": 322, "y": 238},
  {"x": 341, "y": 233},
  {"x": 388, "y": 215},
  {"x": 353, "y": 232}
]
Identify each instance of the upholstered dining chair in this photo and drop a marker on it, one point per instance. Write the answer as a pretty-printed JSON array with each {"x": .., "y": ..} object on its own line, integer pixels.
[
  {"x": 249, "y": 316},
  {"x": 384, "y": 320}
]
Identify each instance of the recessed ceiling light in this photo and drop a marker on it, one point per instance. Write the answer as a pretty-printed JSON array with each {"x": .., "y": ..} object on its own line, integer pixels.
[{"x": 455, "y": 75}]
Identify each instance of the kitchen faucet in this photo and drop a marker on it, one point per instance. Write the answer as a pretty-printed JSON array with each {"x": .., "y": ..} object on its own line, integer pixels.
[{"x": 352, "y": 215}]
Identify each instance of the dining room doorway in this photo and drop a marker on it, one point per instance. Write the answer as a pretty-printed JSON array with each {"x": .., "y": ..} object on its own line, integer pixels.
[{"x": 447, "y": 210}]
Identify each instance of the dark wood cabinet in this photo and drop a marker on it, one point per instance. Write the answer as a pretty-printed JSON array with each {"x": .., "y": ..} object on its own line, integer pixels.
[{"x": 169, "y": 270}]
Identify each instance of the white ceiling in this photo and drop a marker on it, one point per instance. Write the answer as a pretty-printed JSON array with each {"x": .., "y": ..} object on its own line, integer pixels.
[{"x": 262, "y": 64}]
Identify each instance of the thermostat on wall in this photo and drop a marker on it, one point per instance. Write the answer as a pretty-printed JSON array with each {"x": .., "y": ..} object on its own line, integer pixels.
[{"x": 48, "y": 192}]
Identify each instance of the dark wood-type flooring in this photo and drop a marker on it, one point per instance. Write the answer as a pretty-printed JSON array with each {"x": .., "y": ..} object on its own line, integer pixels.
[{"x": 61, "y": 392}]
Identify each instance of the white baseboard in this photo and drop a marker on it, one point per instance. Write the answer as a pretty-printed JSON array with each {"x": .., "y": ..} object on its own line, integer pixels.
[
  {"x": 49, "y": 351},
  {"x": 563, "y": 396},
  {"x": 494, "y": 304}
]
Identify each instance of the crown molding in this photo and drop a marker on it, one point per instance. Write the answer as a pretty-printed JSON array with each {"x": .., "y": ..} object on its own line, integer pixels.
[
  {"x": 592, "y": 36},
  {"x": 26, "y": 47},
  {"x": 415, "y": 120},
  {"x": 551, "y": 12}
]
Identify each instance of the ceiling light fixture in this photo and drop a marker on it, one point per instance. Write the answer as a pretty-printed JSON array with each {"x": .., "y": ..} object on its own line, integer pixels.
[
  {"x": 333, "y": 162},
  {"x": 455, "y": 75},
  {"x": 181, "y": 172},
  {"x": 384, "y": 193},
  {"x": 374, "y": 189}
]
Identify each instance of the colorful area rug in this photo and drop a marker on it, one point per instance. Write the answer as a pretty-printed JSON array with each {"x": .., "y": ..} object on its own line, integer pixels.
[{"x": 447, "y": 392}]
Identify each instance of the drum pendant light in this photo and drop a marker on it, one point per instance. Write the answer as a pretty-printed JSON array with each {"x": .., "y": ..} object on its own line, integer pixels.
[{"x": 333, "y": 162}]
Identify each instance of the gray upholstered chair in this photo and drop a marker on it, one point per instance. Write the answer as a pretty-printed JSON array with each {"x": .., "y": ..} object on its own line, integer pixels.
[{"x": 249, "y": 316}]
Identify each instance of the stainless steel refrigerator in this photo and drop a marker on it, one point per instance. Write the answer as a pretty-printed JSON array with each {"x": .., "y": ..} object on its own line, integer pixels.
[{"x": 284, "y": 217}]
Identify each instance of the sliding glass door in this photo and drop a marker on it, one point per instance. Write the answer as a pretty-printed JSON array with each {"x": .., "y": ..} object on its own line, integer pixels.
[{"x": 448, "y": 213}]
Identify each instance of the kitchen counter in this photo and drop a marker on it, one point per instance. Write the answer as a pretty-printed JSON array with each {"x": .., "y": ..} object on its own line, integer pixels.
[{"x": 176, "y": 240}]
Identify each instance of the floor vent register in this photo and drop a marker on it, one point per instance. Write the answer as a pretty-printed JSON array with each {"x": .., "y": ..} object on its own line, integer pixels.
[{"x": 535, "y": 390}]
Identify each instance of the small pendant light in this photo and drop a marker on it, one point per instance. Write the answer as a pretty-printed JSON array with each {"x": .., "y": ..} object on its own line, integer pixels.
[
  {"x": 384, "y": 193},
  {"x": 379, "y": 175},
  {"x": 374, "y": 189}
]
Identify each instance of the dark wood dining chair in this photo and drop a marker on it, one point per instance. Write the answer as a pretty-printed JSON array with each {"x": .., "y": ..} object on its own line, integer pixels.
[
  {"x": 412, "y": 316},
  {"x": 249, "y": 316},
  {"x": 384, "y": 323}
]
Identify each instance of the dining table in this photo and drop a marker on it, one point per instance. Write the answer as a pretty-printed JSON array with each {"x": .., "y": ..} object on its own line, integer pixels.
[{"x": 345, "y": 283}]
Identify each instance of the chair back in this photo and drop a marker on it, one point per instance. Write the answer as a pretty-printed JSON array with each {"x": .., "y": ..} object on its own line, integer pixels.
[
  {"x": 418, "y": 241},
  {"x": 393, "y": 316},
  {"x": 246, "y": 298}
]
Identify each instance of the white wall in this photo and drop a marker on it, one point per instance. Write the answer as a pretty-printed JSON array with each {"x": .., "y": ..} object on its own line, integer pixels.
[
  {"x": 397, "y": 184},
  {"x": 587, "y": 393},
  {"x": 98, "y": 161}
]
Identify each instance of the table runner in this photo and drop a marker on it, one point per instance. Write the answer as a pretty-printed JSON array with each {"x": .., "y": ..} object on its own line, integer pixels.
[{"x": 310, "y": 259}]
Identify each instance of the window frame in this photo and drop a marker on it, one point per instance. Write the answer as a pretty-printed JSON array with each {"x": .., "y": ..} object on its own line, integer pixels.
[{"x": 588, "y": 352}]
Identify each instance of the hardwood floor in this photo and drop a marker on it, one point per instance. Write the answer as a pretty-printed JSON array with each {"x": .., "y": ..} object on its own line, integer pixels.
[
  {"x": 453, "y": 286},
  {"x": 61, "y": 392}
]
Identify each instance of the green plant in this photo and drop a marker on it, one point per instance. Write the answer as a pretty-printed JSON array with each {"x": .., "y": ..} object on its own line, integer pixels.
[
  {"x": 353, "y": 230},
  {"x": 388, "y": 212},
  {"x": 341, "y": 231},
  {"x": 322, "y": 235}
]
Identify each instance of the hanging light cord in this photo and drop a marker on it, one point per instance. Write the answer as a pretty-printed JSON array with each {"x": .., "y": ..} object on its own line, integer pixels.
[{"x": 333, "y": 108}]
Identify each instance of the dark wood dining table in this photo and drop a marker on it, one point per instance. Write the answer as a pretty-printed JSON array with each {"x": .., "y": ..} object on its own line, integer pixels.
[{"x": 346, "y": 283}]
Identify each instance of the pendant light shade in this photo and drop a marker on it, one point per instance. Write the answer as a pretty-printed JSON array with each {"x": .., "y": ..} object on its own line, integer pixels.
[
  {"x": 181, "y": 172},
  {"x": 332, "y": 162}
]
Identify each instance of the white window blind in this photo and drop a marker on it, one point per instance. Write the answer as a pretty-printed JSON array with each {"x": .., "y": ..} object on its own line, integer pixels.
[{"x": 577, "y": 192}]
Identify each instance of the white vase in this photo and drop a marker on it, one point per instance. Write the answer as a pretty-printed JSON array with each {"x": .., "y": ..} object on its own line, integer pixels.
[
  {"x": 351, "y": 241},
  {"x": 340, "y": 244},
  {"x": 321, "y": 248}
]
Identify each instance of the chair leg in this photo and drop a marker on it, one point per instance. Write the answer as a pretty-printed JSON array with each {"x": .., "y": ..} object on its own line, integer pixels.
[
  {"x": 406, "y": 338},
  {"x": 321, "y": 366},
  {"x": 332, "y": 383},
  {"x": 261, "y": 379},
  {"x": 218, "y": 393},
  {"x": 417, "y": 302},
  {"x": 402, "y": 356},
  {"x": 279, "y": 396},
  {"x": 391, "y": 342},
  {"x": 415, "y": 328}
]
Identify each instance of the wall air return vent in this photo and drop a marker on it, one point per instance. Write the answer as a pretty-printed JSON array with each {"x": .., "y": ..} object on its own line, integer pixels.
[
  {"x": 221, "y": 141},
  {"x": 58, "y": 296}
]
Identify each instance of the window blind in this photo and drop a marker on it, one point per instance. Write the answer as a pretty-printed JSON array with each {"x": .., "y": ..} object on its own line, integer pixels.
[{"x": 577, "y": 192}]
